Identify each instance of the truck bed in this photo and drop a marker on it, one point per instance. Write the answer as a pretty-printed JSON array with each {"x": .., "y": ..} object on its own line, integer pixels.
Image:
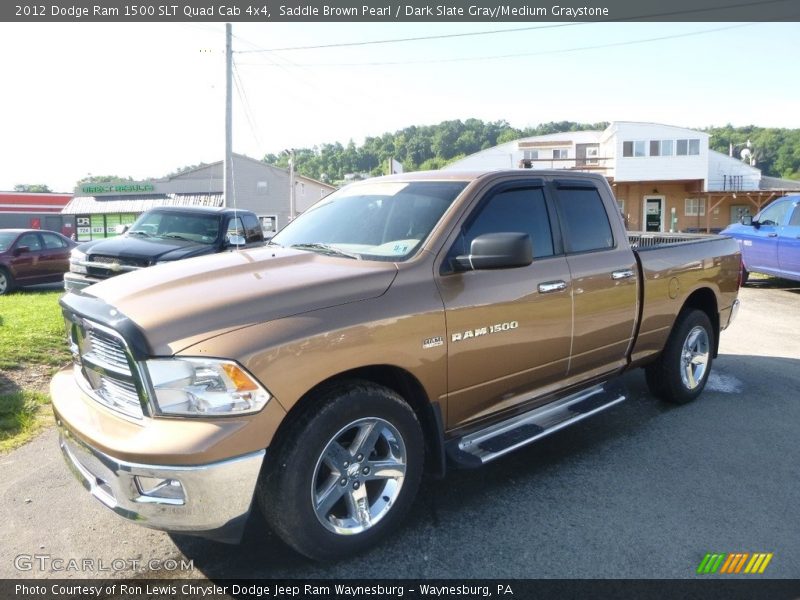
[{"x": 673, "y": 267}]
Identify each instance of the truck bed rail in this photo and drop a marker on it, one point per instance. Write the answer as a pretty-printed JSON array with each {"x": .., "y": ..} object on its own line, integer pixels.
[{"x": 641, "y": 240}]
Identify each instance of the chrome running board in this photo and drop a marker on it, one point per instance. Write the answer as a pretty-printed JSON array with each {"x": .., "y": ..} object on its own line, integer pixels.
[{"x": 479, "y": 447}]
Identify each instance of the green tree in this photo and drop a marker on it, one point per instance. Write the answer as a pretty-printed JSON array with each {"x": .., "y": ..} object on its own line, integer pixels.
[{"x": 32, "y": 187}]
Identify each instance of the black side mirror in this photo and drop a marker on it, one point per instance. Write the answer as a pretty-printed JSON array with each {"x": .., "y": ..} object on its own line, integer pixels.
[
  {"x": 754, "y": 223},
  {"x": 497, "y": 251},
  {"x": 21, "y": 250}
]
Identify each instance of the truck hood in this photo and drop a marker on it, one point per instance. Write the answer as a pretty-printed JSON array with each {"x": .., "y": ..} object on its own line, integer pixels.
[
  {"x": 150, "y": 250},
  {"x": 179, "y": 304}
]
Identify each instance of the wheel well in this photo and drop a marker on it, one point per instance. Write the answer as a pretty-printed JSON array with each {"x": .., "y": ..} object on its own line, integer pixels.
[
  {"x": 705, "y": 300},
  {"x": 404, "y": 384}
]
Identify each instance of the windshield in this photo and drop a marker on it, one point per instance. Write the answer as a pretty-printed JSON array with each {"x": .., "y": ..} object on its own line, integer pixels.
[
  {"x": 199, "y": 228},
  {"x": 374, "y": 221},
  {"x": 6, "y": 239}
]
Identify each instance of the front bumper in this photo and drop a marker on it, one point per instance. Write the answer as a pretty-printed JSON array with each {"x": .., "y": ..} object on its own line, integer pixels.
[
  {"x": 214, "y": 500},
  {"x": 74, "y": 281}
]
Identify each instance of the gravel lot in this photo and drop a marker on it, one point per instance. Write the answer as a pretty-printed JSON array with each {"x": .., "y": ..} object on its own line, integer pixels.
[{"x": 643, "y": 490}]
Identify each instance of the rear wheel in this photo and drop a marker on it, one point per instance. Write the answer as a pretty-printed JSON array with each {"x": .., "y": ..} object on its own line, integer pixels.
[
  {"x": 346, "y": 472},
  {"x": 681, "y": 372},
  {"x": 6, "y": 282}
]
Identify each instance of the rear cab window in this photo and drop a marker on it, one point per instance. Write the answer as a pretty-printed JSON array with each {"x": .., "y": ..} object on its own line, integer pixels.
[{"x": 584, "y": 219}]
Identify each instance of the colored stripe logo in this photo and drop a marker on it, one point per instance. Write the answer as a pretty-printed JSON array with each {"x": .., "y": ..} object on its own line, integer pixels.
[{"x": 734, "y": 563}]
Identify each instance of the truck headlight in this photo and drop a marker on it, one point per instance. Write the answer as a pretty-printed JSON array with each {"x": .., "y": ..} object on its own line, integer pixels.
[
  {"x": 76, "y": 258},
  {"x": 204, "y": 387}
]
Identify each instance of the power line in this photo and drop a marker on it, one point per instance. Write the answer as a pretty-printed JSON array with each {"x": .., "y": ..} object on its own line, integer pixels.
[
  {"x": 258, "y": 49},
  {"x": 517, "y": 55},
  {"x": 410, "y": 39},
  {"x": 248, "y": 111}
]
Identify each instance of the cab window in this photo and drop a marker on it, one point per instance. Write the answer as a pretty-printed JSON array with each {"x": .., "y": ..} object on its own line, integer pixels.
[
  {"x": 584, "y": 220},
  {"x": 775, "y": 214},
  {"x": 517, "y": 210}
]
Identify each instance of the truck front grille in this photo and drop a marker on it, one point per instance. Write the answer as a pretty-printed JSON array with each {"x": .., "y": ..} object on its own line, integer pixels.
[
  {"x": 96, "y": 265},
  {"x": 125, "y": 261},
  {"x": 104, "y": 366}
]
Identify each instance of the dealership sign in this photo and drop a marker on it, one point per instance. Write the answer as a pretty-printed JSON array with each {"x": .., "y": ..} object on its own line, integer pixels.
[{"x": 121, "y": 187}]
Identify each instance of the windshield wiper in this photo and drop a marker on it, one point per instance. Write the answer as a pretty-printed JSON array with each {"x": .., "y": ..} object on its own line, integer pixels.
[
  {"x": 140, "y": 232},
  {"x": 326, "y": 249},
  {"x": 175, "y": 236}
]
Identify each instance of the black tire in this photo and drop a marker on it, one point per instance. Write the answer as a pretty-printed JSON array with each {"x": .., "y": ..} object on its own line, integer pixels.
[
  {"x": 676, "y": 376},
  {"x": 312, "y": 456},
  {"x": 6, "y": 282}
]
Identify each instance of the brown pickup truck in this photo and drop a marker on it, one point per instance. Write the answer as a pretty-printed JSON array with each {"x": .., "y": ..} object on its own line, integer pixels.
[{"x": 400, "y": 325}]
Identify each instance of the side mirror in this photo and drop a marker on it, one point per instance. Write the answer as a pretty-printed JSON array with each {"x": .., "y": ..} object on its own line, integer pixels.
[
  {"x": 497, "y": 251},
  {"x": 235, "y": 239},
  {"x": 21, "y": 250},
  {"x": 746, "y": 220},
  {"x": 755, "y": 223}
]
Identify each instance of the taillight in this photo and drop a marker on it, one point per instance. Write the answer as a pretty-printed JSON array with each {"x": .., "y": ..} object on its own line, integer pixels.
[{"x": 740, "y": 277}]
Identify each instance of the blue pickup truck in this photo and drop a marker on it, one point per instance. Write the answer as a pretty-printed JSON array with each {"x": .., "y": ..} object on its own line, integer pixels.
[{"x": 770, "y": 242}]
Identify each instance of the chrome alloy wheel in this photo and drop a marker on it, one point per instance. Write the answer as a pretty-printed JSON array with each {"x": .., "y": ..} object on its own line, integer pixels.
[
  {"x": 358, "y": 476},
  {"x": 694, "y": 357},
  {"x": 3, "y": 282}
]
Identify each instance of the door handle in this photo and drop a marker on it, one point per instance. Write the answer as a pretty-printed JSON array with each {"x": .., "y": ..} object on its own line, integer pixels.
[
  {"x": 772, "y": 235},
  {"x": 623, "y": 274},
  {"x": 552, "y": 286}
]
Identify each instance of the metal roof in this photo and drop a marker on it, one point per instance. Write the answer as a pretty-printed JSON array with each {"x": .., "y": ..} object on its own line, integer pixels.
[{"x": 87, "y": 205}]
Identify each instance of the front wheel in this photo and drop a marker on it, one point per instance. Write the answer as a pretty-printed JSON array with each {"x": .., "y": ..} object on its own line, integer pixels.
[
  {"x": 681, "y": 372},
  {"x": 6, "y": 282},
  {"x": 345, "y": 472}
]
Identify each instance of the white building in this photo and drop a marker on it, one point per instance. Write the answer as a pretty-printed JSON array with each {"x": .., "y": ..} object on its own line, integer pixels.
[{"x": 664, "y": 177}]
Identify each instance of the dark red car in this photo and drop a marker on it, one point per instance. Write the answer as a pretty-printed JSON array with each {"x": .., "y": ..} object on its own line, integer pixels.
[{"x": 30, "y": 256}]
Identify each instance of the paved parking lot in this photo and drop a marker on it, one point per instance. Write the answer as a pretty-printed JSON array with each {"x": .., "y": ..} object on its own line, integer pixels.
[{"x": 643, "y": 490}]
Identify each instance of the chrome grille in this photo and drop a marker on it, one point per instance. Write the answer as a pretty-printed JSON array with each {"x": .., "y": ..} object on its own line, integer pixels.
[
  {"x": 103, "y": 366},
  {"x": 107, "y": 351},
  {"x": 122, "y": 260}
]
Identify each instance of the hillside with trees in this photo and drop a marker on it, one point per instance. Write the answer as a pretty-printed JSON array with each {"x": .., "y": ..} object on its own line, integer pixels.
[{"x": 777, "y": 151}]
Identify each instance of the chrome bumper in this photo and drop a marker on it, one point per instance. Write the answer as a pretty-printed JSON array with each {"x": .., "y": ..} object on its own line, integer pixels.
[
  {"x": 210, "y": 500},
  {"x": 74, "y": 282}
]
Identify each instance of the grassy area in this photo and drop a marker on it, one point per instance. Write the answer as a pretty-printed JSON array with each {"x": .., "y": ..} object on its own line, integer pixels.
[
  {"x": 31, "y": 345},
  {"x": 31, "y": 330},
  {"x": 21, "y": 417}
]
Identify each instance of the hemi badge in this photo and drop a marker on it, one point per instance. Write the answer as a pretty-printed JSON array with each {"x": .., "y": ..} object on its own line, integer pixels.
[{"x": 433, "y": 342}]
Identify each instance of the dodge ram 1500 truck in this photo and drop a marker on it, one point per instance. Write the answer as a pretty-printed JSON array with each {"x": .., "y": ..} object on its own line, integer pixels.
[
  {"x": 162, "y": 235},
  {"x": 403, "y": 323}
]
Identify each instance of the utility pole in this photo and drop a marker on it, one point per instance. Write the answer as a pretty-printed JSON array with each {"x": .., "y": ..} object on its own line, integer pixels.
[
  {"x": 227, "y": 169},
  {"x": 292, "y": 200}
]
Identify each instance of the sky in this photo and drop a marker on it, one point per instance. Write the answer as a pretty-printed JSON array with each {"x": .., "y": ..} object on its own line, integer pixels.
[{"x": 141, "y": 100}]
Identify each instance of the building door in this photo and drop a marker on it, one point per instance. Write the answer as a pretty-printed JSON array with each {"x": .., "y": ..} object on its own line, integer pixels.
[
  {"x": 654, "y": 213},
  {"x": 739, "y": 212}
]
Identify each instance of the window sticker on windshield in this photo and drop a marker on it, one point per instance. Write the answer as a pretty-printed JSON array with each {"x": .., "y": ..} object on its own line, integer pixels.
[
  {"x": 372, "y": 189},
  {"x": 400, "y": 248}
]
